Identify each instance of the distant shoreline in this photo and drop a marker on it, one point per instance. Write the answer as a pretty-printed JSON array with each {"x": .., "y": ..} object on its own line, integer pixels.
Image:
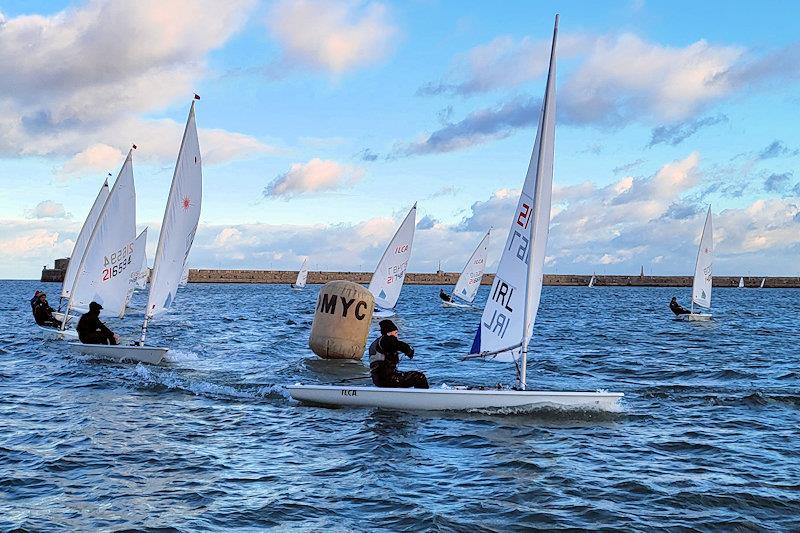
[{"x": 285, "y": 277}]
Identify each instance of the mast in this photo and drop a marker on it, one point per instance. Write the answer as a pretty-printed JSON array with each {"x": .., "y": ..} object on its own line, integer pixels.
[{"x": 537, "y": 208}]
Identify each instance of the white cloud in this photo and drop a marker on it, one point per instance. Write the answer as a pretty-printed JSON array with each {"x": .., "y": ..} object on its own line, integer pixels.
[
  {"x": 48, "y": 209},
  {"x": 332, "y": 36},
  {"x": 91, "y": 71},
  {"x": 315, "y": 176}
]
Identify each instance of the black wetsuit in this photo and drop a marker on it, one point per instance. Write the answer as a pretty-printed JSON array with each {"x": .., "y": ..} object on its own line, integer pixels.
[
  {"x": 92, "y": 331},
  {"x": 384, "y": 355},
  {"x": 43, "y": 314},
  {"x": 444, "y": 296},
  {"x": 677, "y": 308}
]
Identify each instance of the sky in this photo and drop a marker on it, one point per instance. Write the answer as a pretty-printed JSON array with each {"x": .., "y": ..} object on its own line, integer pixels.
[{"x": 322, "y": 122}]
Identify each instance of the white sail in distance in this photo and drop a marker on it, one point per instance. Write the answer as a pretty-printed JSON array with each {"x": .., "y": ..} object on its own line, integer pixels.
[
  {"x": 741, "y": 283},
  {"x": 591, "y": 281},
  {"x": 510, "y": 311},
  {"x": 302, "y": 275},
  {"x": 701, "y": 287},
  {"x": 762, "y": 283},
  {"x": 470, "y": 279},
  {"x": 104, "y": 269},
  {"x": 138, "y": 262},
  {"x": 387, "y": 280},
  {"x": 184, "y": 277},
  {"x": 83, "y": 240},
  {"x": 144, "y": 273},
  {"x": 178, "y": 228}
]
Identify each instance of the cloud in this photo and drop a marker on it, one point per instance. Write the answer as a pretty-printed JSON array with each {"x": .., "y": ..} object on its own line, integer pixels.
[
  {"x": 502, "y": 62},
  {"x": 675, "y": 134},
  {"x": 97, "y": 157},
  {"x": 777, "y": 182},
  {"x": 48, "y": 209},
  {"x": 315, "y": 176},
  {"x": 91, "y": 72},
  {"x": 476, "y": 128},
  {"x": 367, "y": 155},
  {"x": 332, "y": 36},
  {"x": 776, "y": 149},
  {"x": 627, "y": 167},
  {"x": 426, "y": 222}
]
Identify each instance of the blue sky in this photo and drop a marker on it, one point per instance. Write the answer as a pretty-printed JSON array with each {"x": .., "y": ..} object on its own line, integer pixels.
[{"x": 321, "y": 123}]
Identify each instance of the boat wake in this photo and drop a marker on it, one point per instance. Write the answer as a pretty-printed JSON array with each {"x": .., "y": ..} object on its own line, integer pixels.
[{"x": 157, "y": 381}]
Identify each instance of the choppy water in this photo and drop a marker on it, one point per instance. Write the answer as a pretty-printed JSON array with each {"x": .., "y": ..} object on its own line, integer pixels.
[{"x": 209, "y": 440}]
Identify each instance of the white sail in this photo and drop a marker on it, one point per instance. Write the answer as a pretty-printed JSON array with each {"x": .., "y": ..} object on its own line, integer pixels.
[
  {"x": 762, "y": 283},
  {"x": 181, "y": 217},
  {"x": 741, "y": 283},
  {"x": 144, "y": 273},
  {"x": 184, "y": 277},
  {"x": 510, "y": 311},
  {"x": 701, "y": 288},
  {"x": 302, "y": 275},
  {"x": 138, "y": 262},
  {"x": 591, "y": 281},
  {"x": 387, "y": 281},
  {"x": 83, "y": 240},
  {"x": 470, "y": 279},
  {"x": 104, "y": 269}
]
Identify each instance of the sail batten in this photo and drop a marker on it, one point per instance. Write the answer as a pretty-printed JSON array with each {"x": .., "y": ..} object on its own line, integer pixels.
[
  {"x": 387, "y": 280},
  {"x": 701, "y": 286}
]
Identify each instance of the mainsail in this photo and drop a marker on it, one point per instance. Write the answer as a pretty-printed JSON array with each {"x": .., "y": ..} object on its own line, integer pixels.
[
  {"x": 387, "y": 281},
  {"x": 470, "y": 279},
  {"x": 104, "y": 269},
  {"x": 302, "y": 275},
  {"x": 507, "y": 322},
  {"x": 181, "y": 217},
  {"x": 741, "y": 283},
  {"x": 701, "y": 287},
  {"x": 83, "y": 240}
]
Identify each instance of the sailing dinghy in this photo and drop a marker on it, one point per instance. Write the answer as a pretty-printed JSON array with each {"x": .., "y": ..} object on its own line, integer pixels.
[
  {"x": 701, "y": 286},
  {"x": 508, "y": 317},
  {"x": 762, "y": 283},
  {"x": 470, "y": 279},
  {"x": 591, "y": 281},
  {"x": 741, "y": 283},
  {"x": 178, "y": 228},
  {"x": 302, "y": 276},
  {"x": 387, "y": 280}
]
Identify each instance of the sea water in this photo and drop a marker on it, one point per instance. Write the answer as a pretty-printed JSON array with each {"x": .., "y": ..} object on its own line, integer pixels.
[{"x": 209, "y": 440}]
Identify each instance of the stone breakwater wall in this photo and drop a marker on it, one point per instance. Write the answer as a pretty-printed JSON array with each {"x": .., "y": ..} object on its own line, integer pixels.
[{"x": 449, "y": 278}]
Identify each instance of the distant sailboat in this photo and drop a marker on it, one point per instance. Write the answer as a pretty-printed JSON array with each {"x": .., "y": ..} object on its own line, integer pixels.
[
  {"x": 302, "y": 276},
  {"x": 184, "y": 277},
  {"x": 181, "y": 217},
  {"x": 591, "y": 281},
  {"x": 470, "y": 279},
  {"x": 507, "y": 322},
  {"x": 387, "y": 280},
  {"x": 701, "y": 287},
  {"x": 741, "y": 283},
  {"x": 762, "y": 283}
]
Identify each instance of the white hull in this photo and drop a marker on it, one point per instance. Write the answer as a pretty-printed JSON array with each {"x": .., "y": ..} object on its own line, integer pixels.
[
  {"x": 55, "y": 333},
  {"x": 142, "y": 354},
  {"x": 383, "y": 313},
  {"x": 457, "y": 399},
  {"x": 693, "y": 317},
  {"x": 457, "y": 304}
]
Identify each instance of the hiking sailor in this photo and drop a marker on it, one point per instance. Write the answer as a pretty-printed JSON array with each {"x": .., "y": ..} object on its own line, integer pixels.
[{"x": 384, "y": 355}]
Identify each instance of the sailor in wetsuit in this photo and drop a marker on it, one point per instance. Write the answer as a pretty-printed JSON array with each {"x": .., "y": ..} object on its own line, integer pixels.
[
  {"x": 43, "y": 313},
  {"x": 677, "y": 308},
  {"x": 92, "y": 331},
  {"x": 384, "y": 355},
  {"x": 444, "y": 296}
]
